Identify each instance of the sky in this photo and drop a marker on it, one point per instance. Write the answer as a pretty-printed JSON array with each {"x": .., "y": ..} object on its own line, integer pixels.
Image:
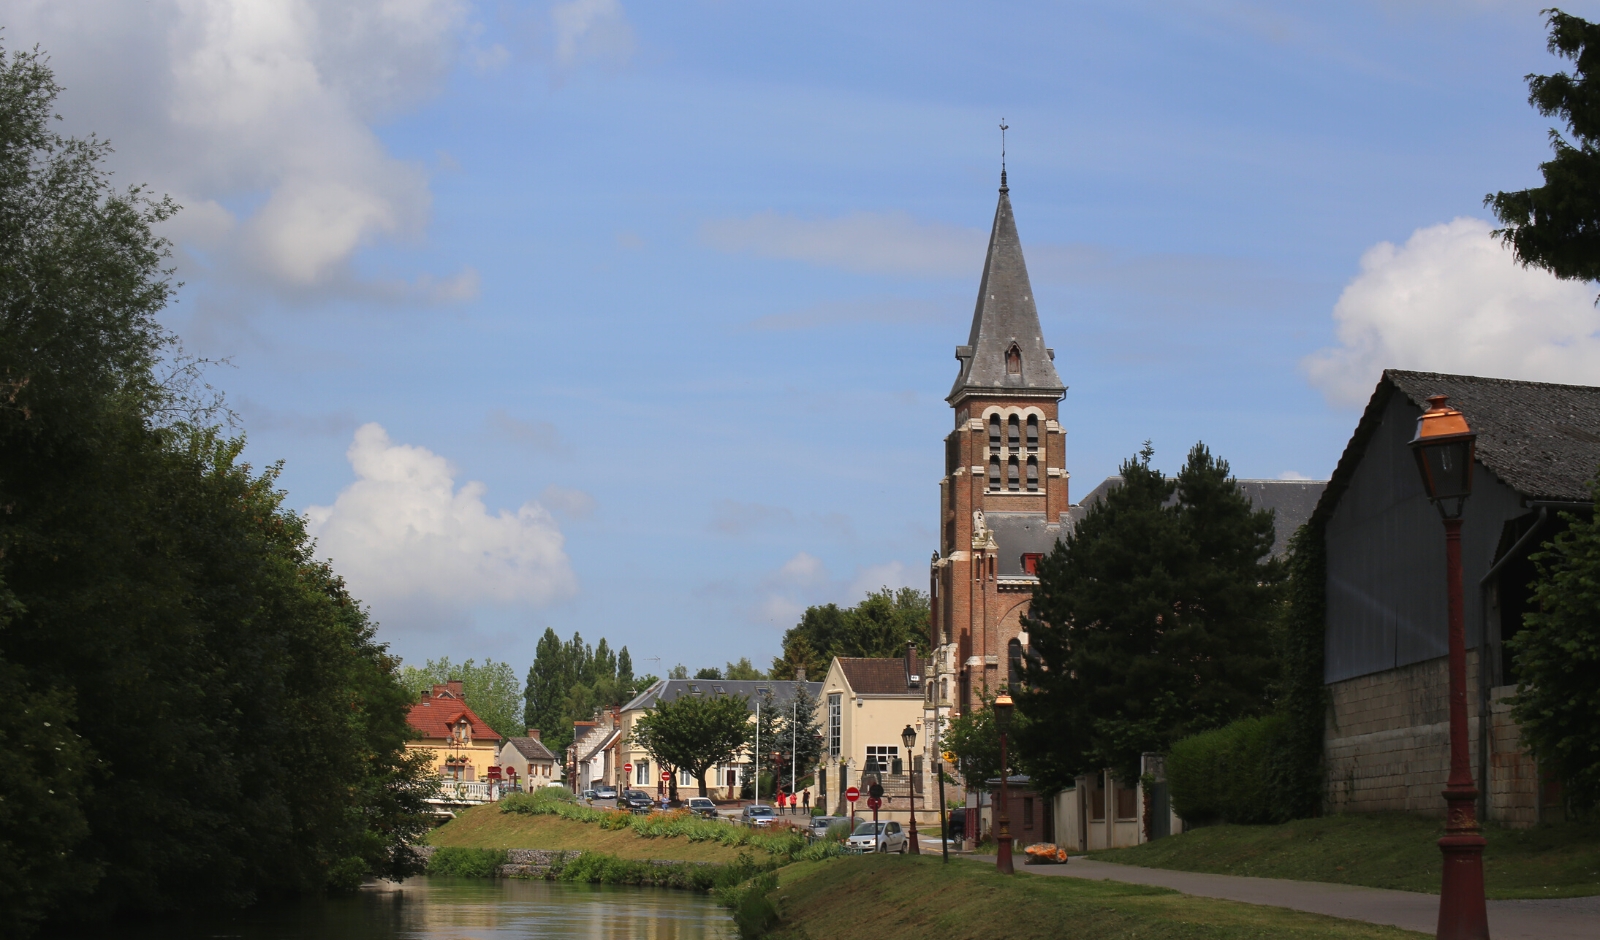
[{"x": 636, "y": 320}]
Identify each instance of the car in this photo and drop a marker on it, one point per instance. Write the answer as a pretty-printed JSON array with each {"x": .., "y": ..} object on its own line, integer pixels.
[
  {"x": 702, "y": 806},
  {"x": 605, "y": 793},
  {"x": 589, "y": 795},
  {"x": 636, "y": 799},
  {"x": 880, "y": 837},
  {"x": 958, "y": 824},
  {"x": 758, "y": 816},
  {"x": 820, "y": 825}
]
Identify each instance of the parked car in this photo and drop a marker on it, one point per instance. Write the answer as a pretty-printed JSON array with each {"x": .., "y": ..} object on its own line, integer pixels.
[
  {"x": 605, "y": 793},
  {"x": 702, "y": 806},
  {"x": 637, "y": 799},
  {"x": 589, "y": 795},
  {"x": 821, "y": 824},
  {"x": 758, "y": 816},
  {"x": 879, "y": 837},
  {"x": 958, "y": 824}
]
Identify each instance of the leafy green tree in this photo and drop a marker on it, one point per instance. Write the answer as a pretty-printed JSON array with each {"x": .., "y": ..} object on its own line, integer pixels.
[
  {"x": 678, "y": 672},
  {"x": 742, "y": 670},
  {"x": 975, "y": 741},
  {"x": 1153, "y": 620},
  {"x": 708, "y": 672},
  {"x": 882, "y": 624},
  {"x": 695, "y": 733},
  {"x": 1557, "y": 654},
  {"x": 490, "y": 689},
  {"x": 1557, "y": 226}
]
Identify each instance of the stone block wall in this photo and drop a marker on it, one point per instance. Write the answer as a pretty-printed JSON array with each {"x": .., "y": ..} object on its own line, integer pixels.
[{"x": 1513, "y": 776}]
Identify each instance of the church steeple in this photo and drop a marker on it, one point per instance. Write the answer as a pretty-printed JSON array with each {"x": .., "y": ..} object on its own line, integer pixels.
[{"x": 1005, "y": 352}]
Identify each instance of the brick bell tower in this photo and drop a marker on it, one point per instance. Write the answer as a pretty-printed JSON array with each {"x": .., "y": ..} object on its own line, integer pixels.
[{"x": 1003, "y": 498}]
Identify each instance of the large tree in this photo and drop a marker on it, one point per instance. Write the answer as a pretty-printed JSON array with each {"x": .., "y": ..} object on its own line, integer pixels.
[
  {"x": 883, "y": 624},
  {"x": 1557, "y": 226},
  {"x": 1558, "y": 661},
  {"x": 569, "y": 681},
  {"x": 1153, "y": 619},
  {"x": 490, "y": 688},
  {"x": 695, "y": 733}
]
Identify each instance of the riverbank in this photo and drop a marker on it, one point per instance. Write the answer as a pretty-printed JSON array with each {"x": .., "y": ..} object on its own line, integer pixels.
[
  {"x": 1381, "y": 851},
  {"x": 916, "y": 897},
  {"x": 490, "y": 827}
]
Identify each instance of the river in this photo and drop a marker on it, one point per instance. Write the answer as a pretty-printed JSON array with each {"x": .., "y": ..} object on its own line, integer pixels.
[{"x": 429, "y": 908}]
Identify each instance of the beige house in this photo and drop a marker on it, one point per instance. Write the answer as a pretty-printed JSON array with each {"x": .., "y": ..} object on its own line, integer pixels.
[
  {"x": 865, "y": 706},
  {"x": 462, "y": 746},
  {"x": 527, "y": 761}
]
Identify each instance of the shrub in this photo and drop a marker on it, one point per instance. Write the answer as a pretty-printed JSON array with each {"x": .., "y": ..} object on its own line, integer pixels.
[
  {"x": 754, "y": 913},
  {"x": 1238, "y": 773},
  {"x": 466, "y": 863},
  {"x": 657, "y": 825}
]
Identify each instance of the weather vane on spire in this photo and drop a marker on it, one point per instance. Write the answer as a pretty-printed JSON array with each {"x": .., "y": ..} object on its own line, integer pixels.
[{"x": 1003, "y": 128}]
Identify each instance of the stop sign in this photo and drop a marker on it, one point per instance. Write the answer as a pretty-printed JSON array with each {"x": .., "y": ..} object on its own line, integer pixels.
[
  {"x": 627, "y": 768},
  {"x": 873, "y": 802},
  {"x": 852, "y": 794}
]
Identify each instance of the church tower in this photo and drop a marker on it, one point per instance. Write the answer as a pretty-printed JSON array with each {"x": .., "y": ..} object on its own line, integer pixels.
[{"x": 1003, "y": 497}]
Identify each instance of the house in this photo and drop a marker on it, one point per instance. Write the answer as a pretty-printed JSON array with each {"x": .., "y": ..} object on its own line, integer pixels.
[
  {"x": 727, "y": 779},
  {"x": 527, "y": 760},
  {"x": 866, "y": 704},
  {"x": 591, "y": 757},
  {"x": 1386, "y": 744},
  {"x": 462, "y": 746}
]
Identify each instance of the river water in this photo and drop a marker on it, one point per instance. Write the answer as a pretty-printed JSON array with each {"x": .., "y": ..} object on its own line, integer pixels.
[{"x": 429, "y": 908}]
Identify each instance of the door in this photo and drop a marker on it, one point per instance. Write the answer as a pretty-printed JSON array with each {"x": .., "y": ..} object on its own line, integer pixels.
[{"x": 1160, "y": 811}]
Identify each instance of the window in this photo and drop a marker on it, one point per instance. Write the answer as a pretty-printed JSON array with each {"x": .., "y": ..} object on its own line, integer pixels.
[
  {"x": 994, "y": 432},
  {"x": 834, "y": 709},
  {"x": 1033, "y": 432},
  {"x": 1030, "y": 562},
  {"x": 686, "y": 778},
  {"x": 1014, "y": 662},
  {"x": 882, "y": 757},
  {"x": 641, "y": 772},
  {"x": 994, "y": 473},
  {"x": 1126, "y": 803},
  {"x": 1013, "y": 436},
  {"x": 1033, "y": 474},
  {"x": 1013, "y": 360},
  {"x": 1012, "y": 482}
]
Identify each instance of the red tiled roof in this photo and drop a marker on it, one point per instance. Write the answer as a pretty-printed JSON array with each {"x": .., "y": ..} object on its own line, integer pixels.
[
  {"x": 436, "y": 715},
  {"x": 877, "y": 676}
]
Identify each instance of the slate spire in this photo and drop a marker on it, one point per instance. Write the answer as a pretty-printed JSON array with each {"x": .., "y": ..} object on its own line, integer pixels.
[{"x": 1005, "y": 354}]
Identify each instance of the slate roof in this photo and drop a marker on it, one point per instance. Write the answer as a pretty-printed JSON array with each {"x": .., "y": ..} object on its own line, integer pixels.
[
  {"x": 878, "y": 676},
  {"x": 1005, "y": 314},
  {"x": 1019, "y": 533},
  {"x": 435, "y": 715},
  {"x": 1541, "y": 439},
  {"x": 673, "y": 689},
  {"x": 1292, "y": 502},
  {"x": 531, "y": 748}
]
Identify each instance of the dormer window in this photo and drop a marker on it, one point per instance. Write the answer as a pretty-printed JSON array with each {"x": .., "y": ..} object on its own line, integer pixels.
[{"x": 1013, "y": 360}]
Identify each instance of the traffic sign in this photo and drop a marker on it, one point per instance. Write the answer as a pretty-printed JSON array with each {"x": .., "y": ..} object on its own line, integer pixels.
[
  {"x": 666, "y": 775},
  {"x": 627, "y": 768},
  {"x": 852, "y": 794},
  {"x": 873, "y": 802}
]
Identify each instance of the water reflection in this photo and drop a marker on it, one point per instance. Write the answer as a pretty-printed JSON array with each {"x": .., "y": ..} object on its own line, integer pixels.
[{"x": 461, "y": 909}]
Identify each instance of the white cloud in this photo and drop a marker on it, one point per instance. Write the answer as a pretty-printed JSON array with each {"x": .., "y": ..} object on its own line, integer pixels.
[
  {"x": 869, "y": 242},
  {"x": 257, "y": 116},
  {"x": 403, "y": 530},
  {"x": 1453, "y": 299},
  {"x": 568, "y": 502},
  {"x": 590, "y": 31}
]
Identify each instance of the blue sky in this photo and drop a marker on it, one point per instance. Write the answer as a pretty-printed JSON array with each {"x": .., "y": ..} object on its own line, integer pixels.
[{"x": 636, "y": 319}]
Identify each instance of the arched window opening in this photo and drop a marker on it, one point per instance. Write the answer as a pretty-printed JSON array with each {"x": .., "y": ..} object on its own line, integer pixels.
[
  {"x": 1014, "y": 661},
  {"x": 994, "y": 432},
  {"x": 1033, "y": 474},
  {"x": 1013, "y": 433},
  {"x": 1013, "y": 483},
  {"x": 1013, "y": 360},
  {"x": 1033, "y": 432},
  {"x": 994, "y": 473}
]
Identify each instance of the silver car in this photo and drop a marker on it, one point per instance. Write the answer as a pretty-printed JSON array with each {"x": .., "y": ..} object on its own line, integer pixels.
[{"x": 880, "y": 837}]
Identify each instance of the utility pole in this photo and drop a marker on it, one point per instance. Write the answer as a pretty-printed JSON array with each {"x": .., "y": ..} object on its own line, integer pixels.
[{"x": 755, "y": 755}]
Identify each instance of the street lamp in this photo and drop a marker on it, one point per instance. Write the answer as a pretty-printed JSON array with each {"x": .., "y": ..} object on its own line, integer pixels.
[
  {"x": 1002, "y": 721},
  {"x": 1444, "y": 447},
  {"x": 908, "y": 737}
]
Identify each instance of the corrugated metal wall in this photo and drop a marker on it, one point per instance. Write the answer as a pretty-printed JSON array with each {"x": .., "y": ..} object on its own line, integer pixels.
[{"x": 1386, "y": 577}]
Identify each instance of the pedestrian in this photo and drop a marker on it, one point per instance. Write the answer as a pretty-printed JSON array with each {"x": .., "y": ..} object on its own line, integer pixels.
[
  {"x": 780, "y": 801},
  {"x": 805, "y": 802}
]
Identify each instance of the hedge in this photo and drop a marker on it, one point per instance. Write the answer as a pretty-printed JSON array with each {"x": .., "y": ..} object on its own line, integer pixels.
[{"x": 1239, "y": 773}]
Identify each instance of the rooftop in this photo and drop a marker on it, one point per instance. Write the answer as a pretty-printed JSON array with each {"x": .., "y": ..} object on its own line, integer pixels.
[{"x": 878, "y": 676}]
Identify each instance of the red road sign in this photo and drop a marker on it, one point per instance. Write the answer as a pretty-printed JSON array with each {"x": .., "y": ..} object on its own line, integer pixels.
[
  {"x": 627, "y": 768},
  {"x": 666, "y": 775},
  {"x": 873, "y": 802},
  {"x": 852, "y": 794}
]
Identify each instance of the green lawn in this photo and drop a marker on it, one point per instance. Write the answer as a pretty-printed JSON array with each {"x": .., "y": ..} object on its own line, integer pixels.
[
  {"x": 1382, "y": 851},
  {"x": 486, "y": 827},
  {"x": 917, "y": 898}
]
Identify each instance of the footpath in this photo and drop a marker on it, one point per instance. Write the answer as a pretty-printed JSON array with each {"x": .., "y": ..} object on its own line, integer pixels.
[{"x": 1553, "y": 919}]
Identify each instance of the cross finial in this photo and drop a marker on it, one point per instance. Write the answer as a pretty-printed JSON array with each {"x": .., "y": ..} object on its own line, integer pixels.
[{"x": 1003, "y": 128}]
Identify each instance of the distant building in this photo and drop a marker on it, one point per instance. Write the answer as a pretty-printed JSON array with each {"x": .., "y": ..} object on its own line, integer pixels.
[
  {"x": 865, "y": 705},
  {"x": 462, "y": 745},
  {"x": 533, "y": 763},
  {"x": 1386, "y": 746}
]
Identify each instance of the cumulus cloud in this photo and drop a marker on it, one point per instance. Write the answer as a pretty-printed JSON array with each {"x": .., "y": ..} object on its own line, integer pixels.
[
  {"x": 868, "y": 242},
  {"x": 258, "y": 118},
  {"x": 404, "y": 531},
  {"x": 1453, "y": 299}
]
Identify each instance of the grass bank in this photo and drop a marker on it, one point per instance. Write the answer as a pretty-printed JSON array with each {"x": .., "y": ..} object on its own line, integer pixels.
[
  {"x": 917, "y": 898},
  {"x": 488, "y": 827},
  {"x": 1382, "y": 851}
]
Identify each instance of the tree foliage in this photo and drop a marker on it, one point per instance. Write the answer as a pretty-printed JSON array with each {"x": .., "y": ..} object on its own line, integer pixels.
[
  {"x": 1557, "y": 226},
  {"x": 1557, "y": 655},
  {"x": 568, "y": 682},
  {"x": 881, "y": 625},
  {"x": 491, "y": 689},
  {"x": 695, "y": 732},
  {"x": 1153, "y": 620},
  {"x": 200, "y": 713}
]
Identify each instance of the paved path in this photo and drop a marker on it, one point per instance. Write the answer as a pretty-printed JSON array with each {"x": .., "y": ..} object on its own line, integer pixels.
[{"x": 1560, "y": 919}]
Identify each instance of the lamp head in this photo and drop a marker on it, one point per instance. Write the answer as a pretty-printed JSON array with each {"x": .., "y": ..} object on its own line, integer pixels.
[
  {"x": 1002, "y": 710},
  {"x": 908, "y": 737},
  {"x": 1445, "y": 447}
]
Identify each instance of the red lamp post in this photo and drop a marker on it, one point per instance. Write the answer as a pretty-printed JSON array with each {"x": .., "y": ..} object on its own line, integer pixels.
[
  {"x": 908, "y": 737},
  {"x": 1002, "y": 720},
  {"x": 1444, "y": 447}
]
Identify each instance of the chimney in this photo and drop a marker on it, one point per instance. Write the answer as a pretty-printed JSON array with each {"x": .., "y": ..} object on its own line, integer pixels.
[
  {"x": 533, "y": 733},
  {"x": 454, "y": 688},
  {"x": 799, "y": 673},
  {"x": 912, "y": 678}
]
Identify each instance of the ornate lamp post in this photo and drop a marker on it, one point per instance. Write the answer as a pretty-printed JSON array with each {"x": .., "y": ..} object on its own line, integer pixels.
[
  {"x": 1002, "y": 720},
  {"x": 908, "y": 737},
  {"x": 1444, "y": 447}
]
